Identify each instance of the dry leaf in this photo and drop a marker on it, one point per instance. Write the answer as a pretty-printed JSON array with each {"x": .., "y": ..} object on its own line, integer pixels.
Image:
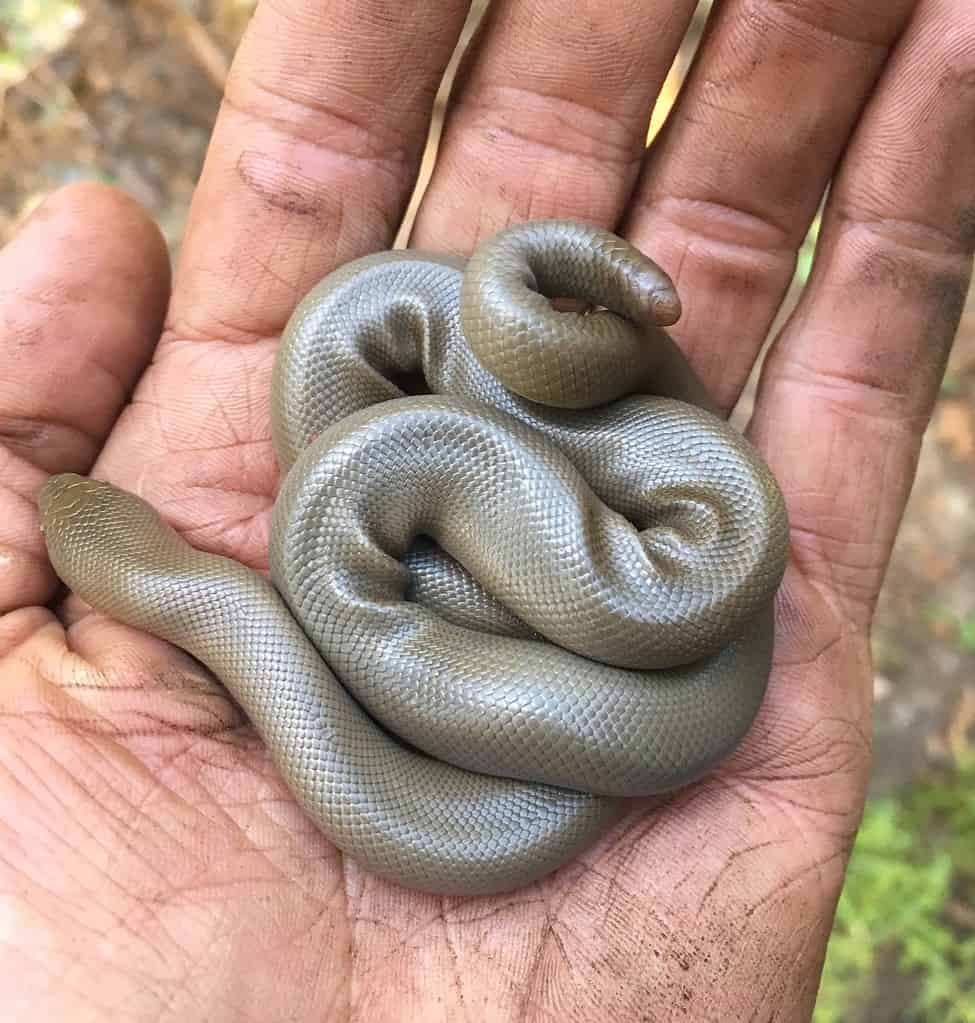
[
  {"x": 956, "y": 428},
  {"x": 935, "y": 565}
]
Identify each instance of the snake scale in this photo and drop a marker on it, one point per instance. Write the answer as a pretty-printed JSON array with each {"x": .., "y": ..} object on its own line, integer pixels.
[{"x": 498, "y": 606}]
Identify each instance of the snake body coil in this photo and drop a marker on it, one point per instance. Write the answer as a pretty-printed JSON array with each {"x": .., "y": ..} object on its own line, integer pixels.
[{"x": 541, "y": 587}]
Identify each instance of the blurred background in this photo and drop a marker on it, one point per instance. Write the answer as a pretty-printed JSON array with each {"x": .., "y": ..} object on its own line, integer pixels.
[{"x": 126, "y": 91}]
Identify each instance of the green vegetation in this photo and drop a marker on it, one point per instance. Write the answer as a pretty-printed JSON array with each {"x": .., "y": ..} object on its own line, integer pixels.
[
  {"x": 908, "y": 903},
  {"x": 807, "y": 252},
  {"x": 966, "y": 633},
  {"x": 955, "y": 627}
]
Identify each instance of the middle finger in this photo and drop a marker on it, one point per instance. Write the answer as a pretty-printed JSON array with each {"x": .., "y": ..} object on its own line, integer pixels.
[{"x": 550, "y": 117}]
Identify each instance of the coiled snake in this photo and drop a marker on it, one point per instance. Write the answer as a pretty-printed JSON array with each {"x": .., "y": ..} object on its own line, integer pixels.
[{"x": 541, "y": 587}]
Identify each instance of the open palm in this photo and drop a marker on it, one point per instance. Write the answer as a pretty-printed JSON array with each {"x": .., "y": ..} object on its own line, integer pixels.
[{"x": 152, "y": 864}]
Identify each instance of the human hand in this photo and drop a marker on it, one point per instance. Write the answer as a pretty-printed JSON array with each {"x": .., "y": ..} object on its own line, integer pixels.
[{"x": 152, "y": 863}]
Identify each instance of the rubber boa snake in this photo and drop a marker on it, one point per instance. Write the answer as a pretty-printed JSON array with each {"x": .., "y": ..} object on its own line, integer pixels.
[{"x": 544, "y": 586}]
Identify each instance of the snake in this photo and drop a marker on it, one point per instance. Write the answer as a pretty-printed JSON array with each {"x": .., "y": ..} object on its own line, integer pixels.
[{"x": 521, "y": 570}]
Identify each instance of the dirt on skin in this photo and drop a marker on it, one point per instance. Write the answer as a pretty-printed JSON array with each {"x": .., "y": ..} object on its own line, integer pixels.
[{"x": 129, "y": 96}]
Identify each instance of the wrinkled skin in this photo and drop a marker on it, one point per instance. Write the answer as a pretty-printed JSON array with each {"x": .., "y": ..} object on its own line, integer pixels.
[{"x": 152, "y": 865}]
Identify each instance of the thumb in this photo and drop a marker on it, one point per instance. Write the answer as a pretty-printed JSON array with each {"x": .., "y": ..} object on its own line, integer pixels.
[{"x": 83, "y": 291}]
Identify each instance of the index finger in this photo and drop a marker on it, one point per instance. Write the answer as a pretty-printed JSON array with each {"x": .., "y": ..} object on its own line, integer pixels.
[
  {"x": 312, "y": 162},
  {"x": 313, "y": 156}
]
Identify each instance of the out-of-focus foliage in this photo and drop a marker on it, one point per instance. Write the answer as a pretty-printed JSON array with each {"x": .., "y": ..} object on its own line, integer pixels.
[
  {"x": 121, "y": 92},
  {"x": 30, "y": 29},
  {"x": 804, "y": 260},
  {"x": 961, "y": 628},
  {"x": 907, "y": 901}
]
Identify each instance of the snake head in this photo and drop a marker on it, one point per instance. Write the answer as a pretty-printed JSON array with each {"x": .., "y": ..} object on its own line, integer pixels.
[
  {"x": 95, "y": 536},
  {"x": 74, "y": 507}
]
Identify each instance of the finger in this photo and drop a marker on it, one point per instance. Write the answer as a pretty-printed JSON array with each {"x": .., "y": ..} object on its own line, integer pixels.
[
  {"x": 849, "y": 386},
  {"x": 83, "y": 290},
  {"x": 732, "y": 184},
  {"x": 550, "y": 117},
  {"x": 17, "y": 627},
  {"x": 76, "y": 284},
  {"x": 313, "y": 156},
  {"x": 311, "y": 164}
]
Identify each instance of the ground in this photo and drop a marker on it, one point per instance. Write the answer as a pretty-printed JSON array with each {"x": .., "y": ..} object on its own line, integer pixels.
[{"x": 127, "y": 92}]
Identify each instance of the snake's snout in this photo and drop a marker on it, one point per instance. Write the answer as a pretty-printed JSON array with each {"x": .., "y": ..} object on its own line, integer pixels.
[
  {"x": 64, "y": 498},
  {"x": 88, "y": 521},
  {"x": 78, "y": 527}
]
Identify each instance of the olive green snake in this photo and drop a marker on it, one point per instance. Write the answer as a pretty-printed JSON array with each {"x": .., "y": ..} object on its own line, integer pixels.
[{"x": 498, "y": 606}]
